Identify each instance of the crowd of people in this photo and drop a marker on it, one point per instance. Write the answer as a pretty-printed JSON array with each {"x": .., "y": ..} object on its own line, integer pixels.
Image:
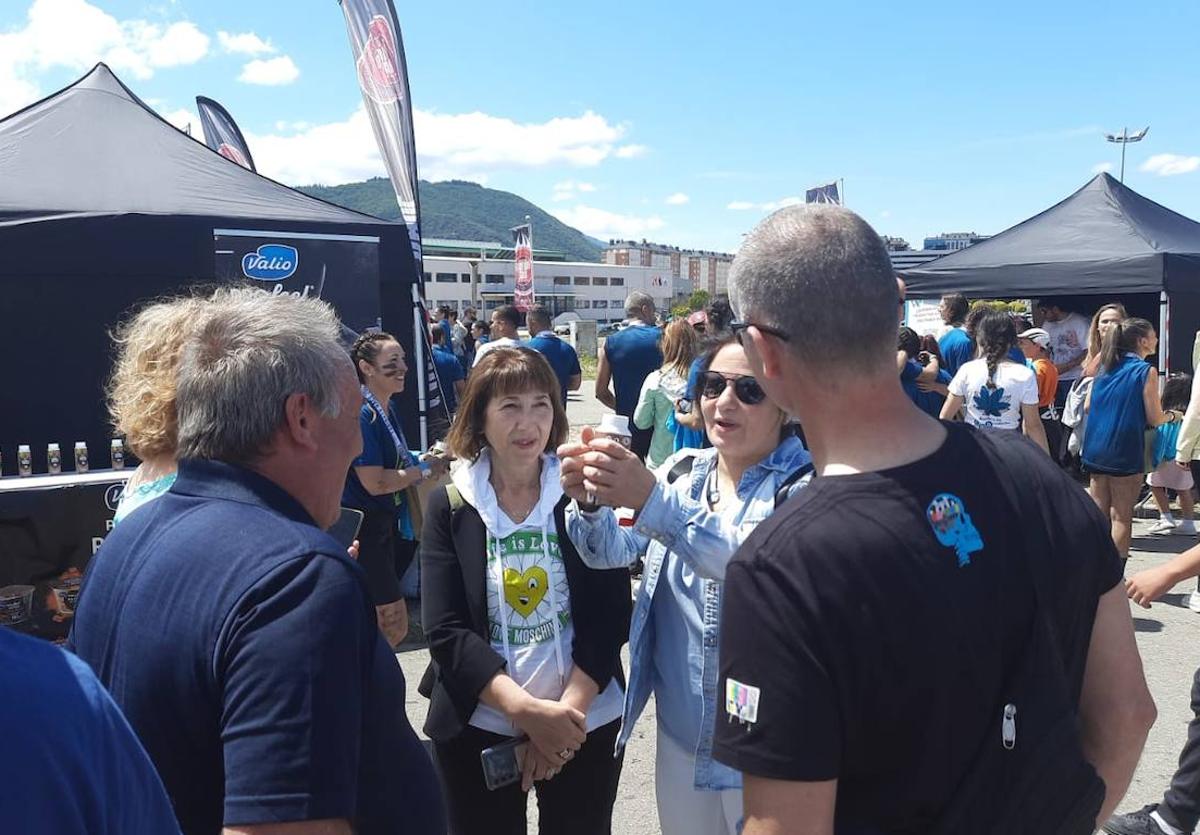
[{"x": 842, "y": 633}]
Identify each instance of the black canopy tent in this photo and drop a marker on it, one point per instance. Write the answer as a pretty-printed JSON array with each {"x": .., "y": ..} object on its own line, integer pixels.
[
  {"x": 1104, "y": 242},
  {"x": 104, "y": 205}
]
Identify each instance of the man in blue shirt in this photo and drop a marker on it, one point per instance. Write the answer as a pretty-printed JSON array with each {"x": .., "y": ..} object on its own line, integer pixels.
[
  {"x": 955, "y": 346},
  {"x": 626, "y": 360},
  {"x": 449, "y": 370},
  {"x": 71, "y": 762},
  {"x": 237, "y": 636},
  {"x": 558, "y": 352},
  {"x": 441, "y": 318}
]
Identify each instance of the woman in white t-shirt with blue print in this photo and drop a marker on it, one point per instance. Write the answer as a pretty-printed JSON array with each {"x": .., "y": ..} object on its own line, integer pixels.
[{"x": 994, "y": 391}]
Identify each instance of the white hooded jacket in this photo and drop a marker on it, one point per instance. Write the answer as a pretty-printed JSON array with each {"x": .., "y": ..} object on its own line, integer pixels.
[{"x": 528, "y": 601}]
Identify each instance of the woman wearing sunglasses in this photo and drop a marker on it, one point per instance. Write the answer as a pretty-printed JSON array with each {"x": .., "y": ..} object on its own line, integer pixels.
[{"x": 693, "y": 513}]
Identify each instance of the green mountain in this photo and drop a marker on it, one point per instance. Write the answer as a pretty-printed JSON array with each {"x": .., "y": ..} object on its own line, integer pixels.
[{"x": 464, "y": 211}]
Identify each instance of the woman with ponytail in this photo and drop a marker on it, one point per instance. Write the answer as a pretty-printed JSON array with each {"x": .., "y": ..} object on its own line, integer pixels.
[
  {"x": 1122, "y": 405},
  {"x": 998, "y": 392}
]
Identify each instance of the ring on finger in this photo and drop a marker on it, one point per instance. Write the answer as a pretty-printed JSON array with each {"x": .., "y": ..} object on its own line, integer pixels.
[{"x": 565, "y": 754}]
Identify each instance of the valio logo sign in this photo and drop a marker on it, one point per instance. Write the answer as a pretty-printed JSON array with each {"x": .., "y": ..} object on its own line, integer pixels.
[{"x": 271, "y": 262}]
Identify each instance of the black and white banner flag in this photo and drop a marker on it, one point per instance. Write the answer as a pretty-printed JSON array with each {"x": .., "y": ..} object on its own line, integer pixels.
[{"x": 221, "y": 133}]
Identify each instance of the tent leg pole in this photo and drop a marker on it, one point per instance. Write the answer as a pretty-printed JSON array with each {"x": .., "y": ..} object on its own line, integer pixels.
[
  {"x": 419, "y": 357},
  {"x": 1164, "y": 338}
]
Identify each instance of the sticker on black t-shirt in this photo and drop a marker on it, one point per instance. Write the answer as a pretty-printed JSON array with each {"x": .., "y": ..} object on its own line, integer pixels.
[
  {"x": 953, "y": 527},
  {"x": 741, "y": 701}
]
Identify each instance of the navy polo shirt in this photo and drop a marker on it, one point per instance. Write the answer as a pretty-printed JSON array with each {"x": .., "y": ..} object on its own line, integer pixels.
[
  {"x": 560, "y": 355},
  {"x": 240, "y": 641},
  {"x": 71, "y": 763}
]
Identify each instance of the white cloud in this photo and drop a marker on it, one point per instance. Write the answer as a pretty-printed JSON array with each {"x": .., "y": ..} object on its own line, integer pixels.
[
  {"x": 244, "y": 43},
  {"x": 569, "y": 189},
  {"x": 1101, "y": 167},
  {"x": 677, "y": 199},
  {"x": 631, "y": 151},
  {"x": 769, "y": 206},
  {"x": 182, "y": 118},
  {"x": 1168, "y": 165},
  {"x": 75, "y": 34},
  {"x": 603, "y": 224},
  {"x": 270, "y": 72},
  {"x": 470, "y": 146},
  {"x": 283, "y": 126},
  {"x": 885, "y": 214}
]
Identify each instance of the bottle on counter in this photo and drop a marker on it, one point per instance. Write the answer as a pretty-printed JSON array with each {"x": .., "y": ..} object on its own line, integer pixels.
[
  {"x": 24, "y": 461},
  {"x": 117, "y": 454},
  {"x": 53, "y": 459}
]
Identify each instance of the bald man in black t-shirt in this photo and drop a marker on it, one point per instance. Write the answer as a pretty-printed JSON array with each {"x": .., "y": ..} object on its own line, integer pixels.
[{"x": 871, "y": 626}]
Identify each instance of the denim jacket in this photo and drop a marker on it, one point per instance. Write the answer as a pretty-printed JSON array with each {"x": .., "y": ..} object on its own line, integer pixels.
[{"x": 676, "y": 519}]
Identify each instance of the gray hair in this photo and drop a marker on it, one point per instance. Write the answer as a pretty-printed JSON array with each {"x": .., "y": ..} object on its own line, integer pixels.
[
  {"x": 251, "y": 352},
  {"x": 821, "y": 275},
  {"x": 636, "y": 301}
]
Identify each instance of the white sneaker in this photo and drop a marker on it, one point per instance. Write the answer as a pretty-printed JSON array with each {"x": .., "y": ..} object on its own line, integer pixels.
[
  {"x": 1194, "y": 601},
  {"x": 1187, "y": 527},
  {"x": 1164, "y": 526}
]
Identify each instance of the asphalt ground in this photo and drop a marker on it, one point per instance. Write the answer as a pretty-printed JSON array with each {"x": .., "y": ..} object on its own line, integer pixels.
[{"x": 1166, "y": 634}]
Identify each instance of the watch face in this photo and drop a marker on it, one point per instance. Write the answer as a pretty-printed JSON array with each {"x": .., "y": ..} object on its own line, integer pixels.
[{"x": 685, "y": 406}]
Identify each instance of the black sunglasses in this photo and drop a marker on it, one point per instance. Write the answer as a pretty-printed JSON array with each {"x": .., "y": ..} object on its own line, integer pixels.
[
  {"x": 739, "y": 328},
  {"x": 747, "y": 389}
]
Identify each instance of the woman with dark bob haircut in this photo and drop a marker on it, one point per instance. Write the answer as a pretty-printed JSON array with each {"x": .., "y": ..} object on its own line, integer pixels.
[{"x": 524, "y": 639}]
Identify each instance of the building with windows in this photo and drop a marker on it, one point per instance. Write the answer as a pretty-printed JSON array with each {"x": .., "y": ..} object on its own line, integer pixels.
[
  {"x": 592, "y": 290},
  {"x": 953, "y": 241},
  {"x": 701, "y": 269}
]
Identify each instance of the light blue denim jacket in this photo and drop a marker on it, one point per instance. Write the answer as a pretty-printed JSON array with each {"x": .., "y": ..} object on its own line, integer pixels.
[{"x": 676, "y": 519}]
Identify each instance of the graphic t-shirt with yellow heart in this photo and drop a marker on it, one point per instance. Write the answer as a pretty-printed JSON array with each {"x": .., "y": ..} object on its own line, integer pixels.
[
  {"x": 530, "y": 604},
  {"x": 535, "y": 597}
]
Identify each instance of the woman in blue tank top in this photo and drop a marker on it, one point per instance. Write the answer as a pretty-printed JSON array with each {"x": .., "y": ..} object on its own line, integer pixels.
[{"x": 1123, "y": 403}]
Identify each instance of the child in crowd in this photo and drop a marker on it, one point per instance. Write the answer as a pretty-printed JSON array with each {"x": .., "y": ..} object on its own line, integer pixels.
[
  {"x": 1168, "y": 475},
  {"x": 1035, "y": 347}
]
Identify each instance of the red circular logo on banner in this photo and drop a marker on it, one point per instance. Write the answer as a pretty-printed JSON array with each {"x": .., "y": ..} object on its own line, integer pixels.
[
  {"x": 378, "y": 73},
  {"x": 233, "y": 154}
]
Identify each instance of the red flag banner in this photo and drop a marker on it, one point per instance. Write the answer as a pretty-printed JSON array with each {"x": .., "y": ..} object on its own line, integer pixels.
[{"x": 523, "y": 267}]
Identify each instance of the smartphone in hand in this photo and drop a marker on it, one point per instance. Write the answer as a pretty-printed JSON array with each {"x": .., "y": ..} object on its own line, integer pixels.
[
  {"x": 345, "y": 529},
  {"x": 501, "y": 765}
]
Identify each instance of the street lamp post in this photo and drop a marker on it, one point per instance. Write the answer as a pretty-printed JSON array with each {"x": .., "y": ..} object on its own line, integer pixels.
[{"x": 1123, "y": 139}]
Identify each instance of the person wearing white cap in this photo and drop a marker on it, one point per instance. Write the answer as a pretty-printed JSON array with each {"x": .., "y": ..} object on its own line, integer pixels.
[{"x": 1035, "y": 345}]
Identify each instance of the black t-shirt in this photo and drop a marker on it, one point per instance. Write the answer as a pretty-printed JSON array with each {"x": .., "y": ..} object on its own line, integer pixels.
[
  {"x": 868, "y": 625},
  {"x": 240, "y": 642}
]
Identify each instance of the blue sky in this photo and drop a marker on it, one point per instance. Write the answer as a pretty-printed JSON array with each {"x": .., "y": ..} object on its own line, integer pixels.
[{"x": 682, "y": 123}]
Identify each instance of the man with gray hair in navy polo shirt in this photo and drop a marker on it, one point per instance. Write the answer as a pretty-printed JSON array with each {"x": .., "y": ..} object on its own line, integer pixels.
[{"x": 236, "y": 635}]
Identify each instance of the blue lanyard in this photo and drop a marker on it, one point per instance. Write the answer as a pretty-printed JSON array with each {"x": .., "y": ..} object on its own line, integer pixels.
[{"x": 402, "y": 453}]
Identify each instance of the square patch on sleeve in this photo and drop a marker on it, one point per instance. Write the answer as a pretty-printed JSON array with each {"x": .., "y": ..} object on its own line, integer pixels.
[{"x": 741, "y": 701}]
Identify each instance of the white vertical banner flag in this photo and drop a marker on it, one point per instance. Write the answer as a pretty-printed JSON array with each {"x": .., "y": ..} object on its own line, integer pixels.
[{"x": 383, "y": 77}]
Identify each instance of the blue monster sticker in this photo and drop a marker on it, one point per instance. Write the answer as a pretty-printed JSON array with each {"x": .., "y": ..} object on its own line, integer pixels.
[{"x": 953, "y": 527}]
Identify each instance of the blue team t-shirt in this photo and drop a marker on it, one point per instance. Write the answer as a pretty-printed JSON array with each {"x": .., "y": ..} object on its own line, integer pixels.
[
  {"x": 956, "y": 349},
  {"x": 71, "y": 763},
  {"x": 632, "y": 354},
  {"x": 560, "y": 355},
  {"x": 378, "y": 450},
  {"x": 929, "y": 402},
  {"x": 240, "y": 641},
  {"x": 449, "y": 369}
]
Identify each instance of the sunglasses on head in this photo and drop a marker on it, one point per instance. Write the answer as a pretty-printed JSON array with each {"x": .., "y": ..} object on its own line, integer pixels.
[{"x": 745, "y": 387}]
